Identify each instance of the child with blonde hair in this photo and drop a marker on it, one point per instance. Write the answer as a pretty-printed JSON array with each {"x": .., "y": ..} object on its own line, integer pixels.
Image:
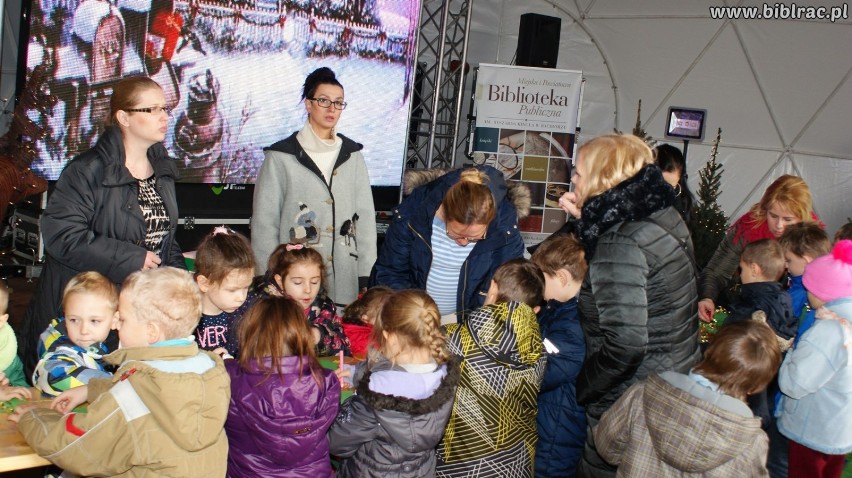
[
  {"x": 816, "y": 376},
  {"x": 298, "y": 272},
  {"x": 162, "y": 413},
  {"x": 72, "y": 347},
  {"x": 282, "y": 400},
  {"x": 404, "y": 395},
  {"x": 224, "y": 269}
]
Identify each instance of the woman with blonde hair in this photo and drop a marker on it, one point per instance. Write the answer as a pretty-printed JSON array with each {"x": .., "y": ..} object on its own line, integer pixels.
[
  {"x": 448, "y": 237},
  {"x": 638, "y": 303},
  {"x": 113, "y": 210},
  {"x": 786, "y": 201}
]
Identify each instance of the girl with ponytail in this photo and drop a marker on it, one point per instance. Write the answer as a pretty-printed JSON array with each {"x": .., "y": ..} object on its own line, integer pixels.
[{"x": 405, "y": 392}]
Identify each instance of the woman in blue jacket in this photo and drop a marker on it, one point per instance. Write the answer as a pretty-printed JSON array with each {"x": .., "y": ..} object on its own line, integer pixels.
[{"x": 448, "y": 237}]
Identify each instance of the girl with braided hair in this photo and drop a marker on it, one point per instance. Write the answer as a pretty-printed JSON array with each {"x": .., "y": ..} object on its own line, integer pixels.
[{"x": 405, "y": 391}]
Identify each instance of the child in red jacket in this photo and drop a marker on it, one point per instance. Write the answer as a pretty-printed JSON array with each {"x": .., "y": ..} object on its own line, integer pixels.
[{"x": 359, "y": 317}]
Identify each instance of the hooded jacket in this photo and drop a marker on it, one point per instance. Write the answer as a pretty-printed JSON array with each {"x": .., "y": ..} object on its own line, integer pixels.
[
  {"x": 670, "y": 426},
  {"x": 294, "y": 203},
  {"x": 406, "y": 256},
  {"x": 638, "y": 304},
  {"x": 64, "y": 364},
  {"x": 391, "y": 426},
  {"x": 816, "y": 382},
  {"x": 277, "y": 426},
  {"x": 93, "y": 222},
  {"x": 162, "y": 414},
  {"x": 492, "y": 428},
  {"x": 561, "y": 420}
]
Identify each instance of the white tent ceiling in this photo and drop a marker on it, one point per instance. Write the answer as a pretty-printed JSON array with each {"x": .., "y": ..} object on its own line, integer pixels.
[{"x": 781, "y": 90}]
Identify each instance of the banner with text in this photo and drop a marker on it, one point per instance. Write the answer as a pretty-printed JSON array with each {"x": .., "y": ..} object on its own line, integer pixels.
[{"x": 526, "y": 121}]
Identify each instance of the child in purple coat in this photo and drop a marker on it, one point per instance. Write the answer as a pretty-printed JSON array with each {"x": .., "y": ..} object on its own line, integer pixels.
[{"x": 282, "y": 401}]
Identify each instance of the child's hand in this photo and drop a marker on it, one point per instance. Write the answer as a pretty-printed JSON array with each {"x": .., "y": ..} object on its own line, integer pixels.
[
  {"x": 222, "y": 352},
  {"x": 3, "y": 379},
  {"x": 20, "y": 410},
  {"x": 344, "y": 375},
  {"x": 70, "y": 399},
  {"x": 316, "y": 333},
  {"x": 8, "y": 393}
]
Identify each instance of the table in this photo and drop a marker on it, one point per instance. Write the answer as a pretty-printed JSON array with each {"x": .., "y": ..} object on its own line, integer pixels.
[{"x": 15, "y": 454}]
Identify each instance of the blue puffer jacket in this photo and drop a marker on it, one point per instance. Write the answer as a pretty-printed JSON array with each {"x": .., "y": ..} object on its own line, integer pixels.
[
  {"x": 561, "y": 420},
  {"x": 406, "y": 255}
]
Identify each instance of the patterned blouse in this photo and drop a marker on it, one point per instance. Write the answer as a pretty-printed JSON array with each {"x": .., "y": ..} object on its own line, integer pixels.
[{"x": 155, "y": 214}]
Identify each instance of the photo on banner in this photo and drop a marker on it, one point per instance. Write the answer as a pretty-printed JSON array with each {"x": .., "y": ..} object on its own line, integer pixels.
[
  {"x": 526, "y": 123},
  {"x": 232, "y": 72}
]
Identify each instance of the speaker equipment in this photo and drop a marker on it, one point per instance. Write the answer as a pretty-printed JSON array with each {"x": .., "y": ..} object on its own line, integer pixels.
[{"x": 538, "y": 40}]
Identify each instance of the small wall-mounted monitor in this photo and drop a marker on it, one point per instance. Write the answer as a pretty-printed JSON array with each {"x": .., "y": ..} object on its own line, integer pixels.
[{"x": 686, "y": 123}]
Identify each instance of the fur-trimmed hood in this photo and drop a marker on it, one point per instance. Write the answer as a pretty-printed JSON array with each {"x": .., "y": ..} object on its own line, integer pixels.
[
  {"x": 517, "y": 192},
  {"x": 634, "y": 198},
  {"x": 379, "y": 401}
]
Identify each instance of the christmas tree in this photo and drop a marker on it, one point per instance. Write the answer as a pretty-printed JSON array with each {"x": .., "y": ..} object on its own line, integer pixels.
[
  {"x": 638, "y": 130},
  {"x": 18, "y": 145},
  {"x": 708, "y": 221}
]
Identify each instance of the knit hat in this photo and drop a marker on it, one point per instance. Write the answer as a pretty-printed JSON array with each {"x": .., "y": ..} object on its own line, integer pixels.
[{"x": 830, "y": 277}]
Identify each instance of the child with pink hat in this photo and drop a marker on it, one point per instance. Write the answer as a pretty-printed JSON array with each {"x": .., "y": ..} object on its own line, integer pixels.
[{"x": 816, "y": 376}]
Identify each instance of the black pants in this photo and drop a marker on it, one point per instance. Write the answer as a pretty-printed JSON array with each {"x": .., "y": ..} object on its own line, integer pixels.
[{"x": 592, "y": 465}]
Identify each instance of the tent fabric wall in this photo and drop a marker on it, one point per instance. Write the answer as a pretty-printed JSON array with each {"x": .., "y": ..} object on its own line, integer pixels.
[{"x": 781, "y": 90}]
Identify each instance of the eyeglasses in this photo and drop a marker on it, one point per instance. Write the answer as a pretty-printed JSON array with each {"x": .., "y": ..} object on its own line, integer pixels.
[
  {"x": 457, "y": 238},
  {"x": 326, "y": 103},
  {"x": 152, "y": 109}
]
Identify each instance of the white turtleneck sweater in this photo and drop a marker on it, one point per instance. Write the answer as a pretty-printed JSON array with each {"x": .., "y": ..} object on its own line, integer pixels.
[{"x": 324, "y": 152}]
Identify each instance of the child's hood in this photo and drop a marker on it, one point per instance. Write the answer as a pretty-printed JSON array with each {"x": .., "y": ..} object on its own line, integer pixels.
[
  {"x": 508, "y": 333},
  {"x": 693, "y": 434},
  {"x": 186, "y": 390}
]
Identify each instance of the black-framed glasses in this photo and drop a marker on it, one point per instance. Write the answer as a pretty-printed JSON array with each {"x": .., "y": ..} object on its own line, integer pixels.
[
  {"x": 326, "y": 103},
  {"x": 466, "y": 239},
  {"x": 155, "y": 110}
]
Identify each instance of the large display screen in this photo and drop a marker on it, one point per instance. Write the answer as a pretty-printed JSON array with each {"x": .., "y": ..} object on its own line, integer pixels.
[{"x": 232, "y": 70}]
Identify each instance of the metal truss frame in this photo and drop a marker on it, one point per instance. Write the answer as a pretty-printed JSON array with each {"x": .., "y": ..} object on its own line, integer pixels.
[{"x": 437, "y": 103}]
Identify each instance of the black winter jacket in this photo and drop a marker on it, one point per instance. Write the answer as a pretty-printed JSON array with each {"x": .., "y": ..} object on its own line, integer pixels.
[
  {"x": 773, "y": 300},
  {"x": 93, "y": 222},
  {"x": 638, "y": 303}
]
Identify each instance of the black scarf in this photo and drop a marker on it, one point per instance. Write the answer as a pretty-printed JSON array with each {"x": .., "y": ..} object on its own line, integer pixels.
[{"x": 632, "y": 199}]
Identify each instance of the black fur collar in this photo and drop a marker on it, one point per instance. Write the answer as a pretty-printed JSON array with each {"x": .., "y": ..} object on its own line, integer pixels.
[
  {"x": 445, "y": 392},
  {"x": 635, "y": 198}
]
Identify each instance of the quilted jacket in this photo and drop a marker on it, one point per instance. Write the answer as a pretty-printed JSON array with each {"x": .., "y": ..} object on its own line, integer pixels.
[{"x": 639, "y": 301}]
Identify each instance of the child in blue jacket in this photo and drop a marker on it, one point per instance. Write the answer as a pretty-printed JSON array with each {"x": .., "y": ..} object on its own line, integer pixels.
[{"x": 561, "y": 420}]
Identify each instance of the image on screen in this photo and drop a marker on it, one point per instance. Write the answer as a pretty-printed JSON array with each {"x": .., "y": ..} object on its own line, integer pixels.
[
  {"x": 231, "y": 70},
  {"x": 686, "y": 123}
]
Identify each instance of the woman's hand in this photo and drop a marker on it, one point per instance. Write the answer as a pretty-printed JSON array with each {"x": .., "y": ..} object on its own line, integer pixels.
[
  {"x": 706, "y": 309},
  {"x": 568, "y": 203},
  {"x": 70, "y": 399},
  {"x": 152, "y": 261}
]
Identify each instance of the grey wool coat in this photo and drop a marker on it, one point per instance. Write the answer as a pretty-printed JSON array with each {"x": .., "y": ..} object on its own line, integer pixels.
[{"x": 293, "y": 203}]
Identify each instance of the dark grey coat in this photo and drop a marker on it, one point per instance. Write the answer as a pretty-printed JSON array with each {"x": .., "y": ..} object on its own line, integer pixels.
[
  {"x": 388, "y": 436},
  {"x": 638, "y": 303},
  {"x": 93, "y": 222}
]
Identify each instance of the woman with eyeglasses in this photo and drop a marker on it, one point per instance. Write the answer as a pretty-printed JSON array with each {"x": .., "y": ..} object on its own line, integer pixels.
[
  {"x": 313, "y": 189},
  {"x": 113, "y": 209},
  {"x": 449, "y": 235}
]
